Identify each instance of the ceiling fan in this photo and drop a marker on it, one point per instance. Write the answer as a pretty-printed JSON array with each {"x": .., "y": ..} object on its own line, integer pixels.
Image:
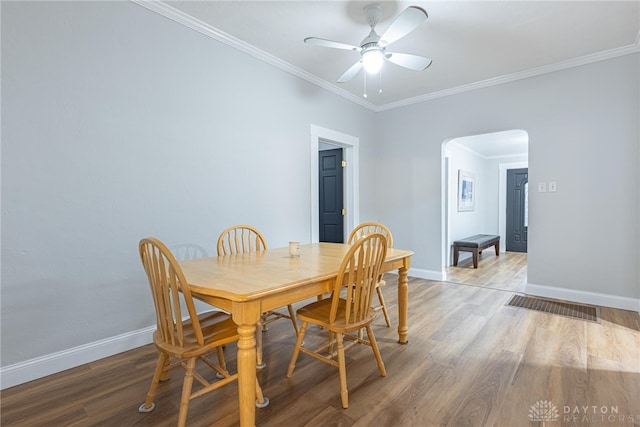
[{"x": 373, "y": 49}]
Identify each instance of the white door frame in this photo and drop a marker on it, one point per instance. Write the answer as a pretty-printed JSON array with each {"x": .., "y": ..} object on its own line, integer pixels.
[{"x": 351, "y": 146}]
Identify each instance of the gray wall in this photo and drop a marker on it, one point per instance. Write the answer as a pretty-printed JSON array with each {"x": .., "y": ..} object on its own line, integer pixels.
[
  {"x": 467, "y": 223},
  {"x": 583, "y": 133},
  {"x": 119, "y": 123}
]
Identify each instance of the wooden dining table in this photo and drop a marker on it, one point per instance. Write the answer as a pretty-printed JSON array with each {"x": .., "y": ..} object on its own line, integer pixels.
[{"x": 246, "y": 285}]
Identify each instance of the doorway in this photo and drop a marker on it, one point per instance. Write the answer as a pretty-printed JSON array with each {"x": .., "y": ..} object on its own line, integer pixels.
[
  {"x": 351, "y": 150},
  {"x": 517, "y": 213},
  {"x": 330, "y": 192},
  {"x": 488, "y": 157}
]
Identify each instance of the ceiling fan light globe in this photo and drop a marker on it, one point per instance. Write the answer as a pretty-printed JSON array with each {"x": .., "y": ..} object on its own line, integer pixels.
[{"x": 372, "y": 61}]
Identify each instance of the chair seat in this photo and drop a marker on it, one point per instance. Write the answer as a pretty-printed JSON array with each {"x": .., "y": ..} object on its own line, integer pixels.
[
  {"x": 217, "y": 329},
  {"x": 356, "y": 279},
  {"x": 318, "y": 313},
  {"x": 182, "y": 333}
]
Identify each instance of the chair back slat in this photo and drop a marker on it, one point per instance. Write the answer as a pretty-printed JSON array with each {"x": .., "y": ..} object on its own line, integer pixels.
[
  {"x": 357, "y": 278},
  {"x": 170, "y": 292},
  {"x": 240, "y": 239},
  {"x": 368, "y": 228},
  {"x": 187, "y": 251}
]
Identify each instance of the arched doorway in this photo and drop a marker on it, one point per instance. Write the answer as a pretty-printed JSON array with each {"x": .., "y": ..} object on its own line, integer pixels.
[{"x": 486, "y": 157}]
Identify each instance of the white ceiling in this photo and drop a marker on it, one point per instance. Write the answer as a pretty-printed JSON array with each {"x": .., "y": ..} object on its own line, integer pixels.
[
  {"x": 495, "y": 145},
  {"x": 472, "y": 43}
]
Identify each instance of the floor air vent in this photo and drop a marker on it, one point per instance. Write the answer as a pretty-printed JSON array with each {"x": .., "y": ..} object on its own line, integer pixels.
[{"x": 583, "y": 312}]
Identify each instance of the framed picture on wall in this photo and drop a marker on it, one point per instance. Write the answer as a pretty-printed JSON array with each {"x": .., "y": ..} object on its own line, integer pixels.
[{"x": 466, "y": 191}]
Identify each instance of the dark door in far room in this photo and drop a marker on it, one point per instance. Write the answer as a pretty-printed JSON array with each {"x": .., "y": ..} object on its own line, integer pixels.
[
  {"x": 330, "y": 168},
  {"x": 517, "y": 210}
]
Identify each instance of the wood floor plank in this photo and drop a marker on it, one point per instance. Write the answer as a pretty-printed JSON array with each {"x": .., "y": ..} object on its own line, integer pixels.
[
  {"x": 480, "y": 405},
  {"x": 471, "y": 360}
]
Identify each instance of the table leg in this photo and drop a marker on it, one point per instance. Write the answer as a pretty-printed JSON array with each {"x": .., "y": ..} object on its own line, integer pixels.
[
  {"x": 403, "y": 304},
  {"x": 246, "y": 316}
]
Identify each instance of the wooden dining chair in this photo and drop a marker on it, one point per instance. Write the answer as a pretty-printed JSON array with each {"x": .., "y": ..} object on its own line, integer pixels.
[
  {"x": 187, "y": 251},
  {"x": 183, "y": 338},
  {"x": 368, "y": 228},
  {"x": 243, "y": 238},
  {"x": 348, "y": 310}
]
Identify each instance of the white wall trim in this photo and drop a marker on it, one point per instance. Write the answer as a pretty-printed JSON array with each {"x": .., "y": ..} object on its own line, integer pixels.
[
  {"x": 420, "y": 273},
  {"x": 223, "y": 37},
  {"x": 39, "y": 367},
  {"x": 351, "y": 145},
  {"x": 584, "y": 297},
  {"x": 445, "y": 226},
  {"x": 210, "y": 31},
  {"x": 571, "y": 63},
  {"x": 482, "y": 156}
]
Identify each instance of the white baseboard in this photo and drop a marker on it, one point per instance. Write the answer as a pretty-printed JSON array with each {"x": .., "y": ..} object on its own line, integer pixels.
[
  {"x": 427, "y": 274},
  {"x": 39, "y": 367},
  {"x": 422, "y": 274},
  {"x": 584, "y": 297}
]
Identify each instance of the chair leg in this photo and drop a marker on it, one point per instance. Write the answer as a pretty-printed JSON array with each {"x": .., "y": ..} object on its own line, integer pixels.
[
  {"x": 384, "y": 307},
  {"x": 186, "y": 392},
  {"x": 296, "y": 349},
  {"x": 342, "y": 368},
  {"x": 157, "y": 375},
  {"x": 376, "y": 351},
  {"x": 221, "y": 360},
  {"x": 292, "y": 314},
  {"x": 259, "y": 362},
  {"x": 166, "y": 373},
  {"x": 261, "y": 401}
]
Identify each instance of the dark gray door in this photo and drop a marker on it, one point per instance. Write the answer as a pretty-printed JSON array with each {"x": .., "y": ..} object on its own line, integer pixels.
[
  {"x": 517, "y": 207},
  {"x": 331, "y": 196}
]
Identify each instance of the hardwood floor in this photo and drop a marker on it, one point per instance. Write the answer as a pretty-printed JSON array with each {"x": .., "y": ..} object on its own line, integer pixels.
[
  {"x": 506, "y": 272},
  {"x": 470, "y": 361}
]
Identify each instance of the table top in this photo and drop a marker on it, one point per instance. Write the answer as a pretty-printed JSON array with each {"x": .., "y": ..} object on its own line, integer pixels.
[{"x": 255, "y": 275}]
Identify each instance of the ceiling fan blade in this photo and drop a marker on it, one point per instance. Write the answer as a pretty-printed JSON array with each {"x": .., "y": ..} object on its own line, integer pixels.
[
  {"x": 413, "y": 62},
  {"x": 350, "y": 73},
  {"x": 406, "y": 22},
  {"x": 329, "y": 43}
]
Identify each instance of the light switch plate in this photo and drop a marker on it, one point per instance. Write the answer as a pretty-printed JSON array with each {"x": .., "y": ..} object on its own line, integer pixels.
[
  {"x": 542, "y": 187},
  {"x": 553, "y": 186}
]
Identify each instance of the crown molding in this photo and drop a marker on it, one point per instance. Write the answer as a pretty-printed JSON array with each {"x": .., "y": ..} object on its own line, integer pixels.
[
  {"x": 545, "y": 69},
  {"x": 189, "y": 21},
  {"x": 223, "y": 37},
  {"x": 462, "y": 147}
]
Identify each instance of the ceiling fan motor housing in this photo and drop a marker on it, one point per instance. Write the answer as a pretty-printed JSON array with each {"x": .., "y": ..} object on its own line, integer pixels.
[
  {"x": 373, "y": 13},
  {"x": 371, "y": 40}
]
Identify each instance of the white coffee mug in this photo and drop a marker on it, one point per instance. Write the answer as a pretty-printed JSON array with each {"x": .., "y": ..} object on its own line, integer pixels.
[{"x": 294, "y": 249}]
